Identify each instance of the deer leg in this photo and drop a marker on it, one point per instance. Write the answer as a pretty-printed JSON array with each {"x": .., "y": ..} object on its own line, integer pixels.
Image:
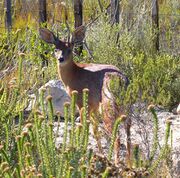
[
  {"x": 95, "y": 123},
  {"x": 97, "y": 136},
  {"x": 110, "y": 113},
  {"x": 117, "y": 149},
  {"x": 109, "y": 128}
]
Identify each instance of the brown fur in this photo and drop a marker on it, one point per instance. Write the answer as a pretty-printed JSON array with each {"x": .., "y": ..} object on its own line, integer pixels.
[
  {"x": 95, "y": 77},
  {"x": 92, "y": 76}
]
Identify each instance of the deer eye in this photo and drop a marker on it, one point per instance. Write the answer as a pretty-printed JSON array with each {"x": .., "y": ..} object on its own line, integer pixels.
[{"x": 55, "y": 50}]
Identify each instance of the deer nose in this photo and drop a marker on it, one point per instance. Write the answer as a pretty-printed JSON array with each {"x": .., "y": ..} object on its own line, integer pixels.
[{"x": 61, "y": 59}]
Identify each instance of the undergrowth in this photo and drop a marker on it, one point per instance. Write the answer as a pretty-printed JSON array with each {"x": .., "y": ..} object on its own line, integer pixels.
[{"x": 28, "y": 146}]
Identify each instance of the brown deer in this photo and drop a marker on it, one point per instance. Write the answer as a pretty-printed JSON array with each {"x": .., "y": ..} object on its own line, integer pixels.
[{"x": 95, "y": 77}]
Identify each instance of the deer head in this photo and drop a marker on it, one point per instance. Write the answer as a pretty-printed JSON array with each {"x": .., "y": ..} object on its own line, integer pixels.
[{"x": 63, "y": 49}]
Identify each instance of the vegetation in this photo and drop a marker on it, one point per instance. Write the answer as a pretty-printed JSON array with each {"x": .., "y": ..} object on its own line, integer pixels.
[
  {"x": 154, "y": 77},
  {"x": 28, "y": 146},
  {"x": 28, "y": 143}
]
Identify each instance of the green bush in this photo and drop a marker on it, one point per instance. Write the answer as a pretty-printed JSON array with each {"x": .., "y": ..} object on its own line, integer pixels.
[
  {"x": 154, "y": 77},
  {"x": 25, "y": 45}
]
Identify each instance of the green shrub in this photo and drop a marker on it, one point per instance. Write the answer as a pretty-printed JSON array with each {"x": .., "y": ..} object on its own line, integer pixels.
[
  {"x": 154, "y": 77},
  {"x": 26, "y": 46}
]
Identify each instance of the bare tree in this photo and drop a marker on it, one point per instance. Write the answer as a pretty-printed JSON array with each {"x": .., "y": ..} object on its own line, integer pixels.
[
  {"x": 155, "y": 21},
  {"x": 42, "y": 12},
  {"x": 78, "y": 12},
  {"x": 78, "y": 16},
  {"x": 114, "y": 11},
  {"x": 8, "y": 18},
  {"x": 43, "y": 20}
]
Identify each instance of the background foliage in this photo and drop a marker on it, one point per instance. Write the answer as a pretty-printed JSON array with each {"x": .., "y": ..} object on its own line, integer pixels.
[
  {"x": 129, "y": 45},
  {"x": 26, "y": 63}
]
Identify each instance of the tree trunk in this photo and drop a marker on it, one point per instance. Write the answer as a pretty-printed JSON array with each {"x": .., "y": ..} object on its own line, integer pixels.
[
  {"x": 155, "y": 23},
  {"x": 114, "y": 11},
  {"x": 42, "y": 12},
  {"x": 78, "y": 16},
  {"x": 43, "y": 22},
  {"x": 8, "y": 18}
]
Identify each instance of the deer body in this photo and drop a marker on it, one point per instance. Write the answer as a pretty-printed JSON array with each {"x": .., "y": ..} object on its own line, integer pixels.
[
  {"x": 95, "y": 77},
  {"x": 91, "y": 76}
]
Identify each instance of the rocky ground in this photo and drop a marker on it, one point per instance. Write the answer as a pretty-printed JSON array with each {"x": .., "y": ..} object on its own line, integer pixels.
[{"x": 142, "y": 134}]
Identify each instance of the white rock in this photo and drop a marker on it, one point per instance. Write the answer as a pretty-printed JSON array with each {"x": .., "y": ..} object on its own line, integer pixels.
[
  {"x": 56, "y": 89},
  {"x": 178, "y": 109}
]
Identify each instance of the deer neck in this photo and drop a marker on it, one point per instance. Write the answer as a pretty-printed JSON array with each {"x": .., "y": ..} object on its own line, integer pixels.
[{"x": 68, "y": 72}]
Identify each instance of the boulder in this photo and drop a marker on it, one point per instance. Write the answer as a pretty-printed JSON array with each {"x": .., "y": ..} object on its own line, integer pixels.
[{"x": 56, "y": 89}]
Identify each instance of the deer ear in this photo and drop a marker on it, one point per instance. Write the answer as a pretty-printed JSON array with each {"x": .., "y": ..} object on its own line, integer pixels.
[
  {"x": 78, "y": 35},
  {"x": 47, "y": 36}
]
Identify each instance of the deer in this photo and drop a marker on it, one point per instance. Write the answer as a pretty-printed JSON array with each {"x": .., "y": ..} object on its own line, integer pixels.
[{"x": 95, "y": 77}]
